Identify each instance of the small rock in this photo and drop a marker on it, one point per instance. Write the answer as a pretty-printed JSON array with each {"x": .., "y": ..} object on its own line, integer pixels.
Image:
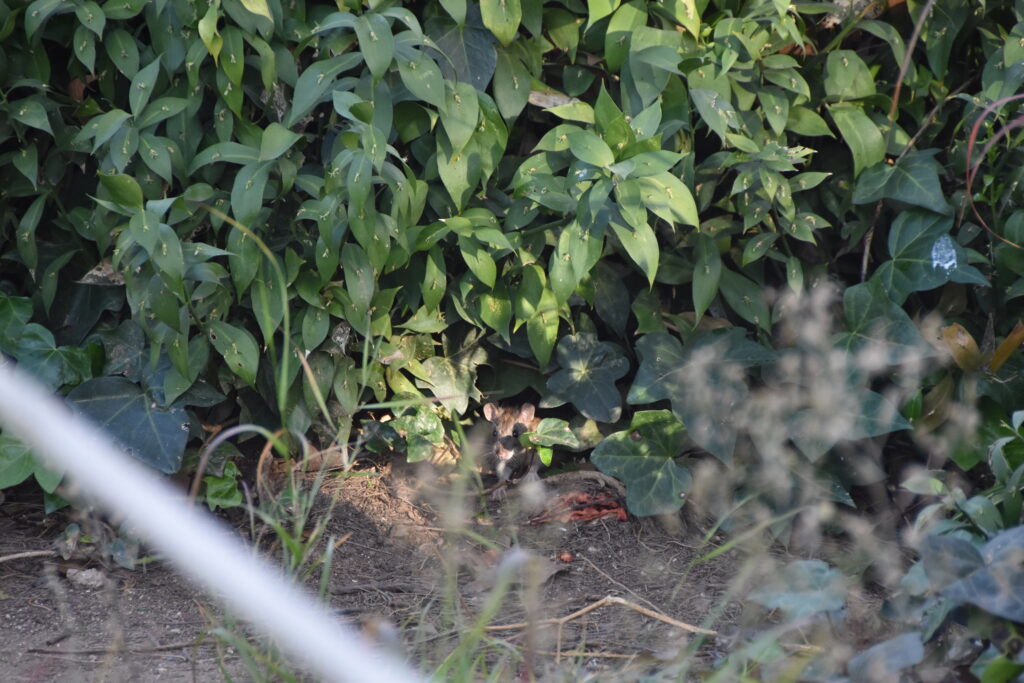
[{"x": 92, "y": 579}]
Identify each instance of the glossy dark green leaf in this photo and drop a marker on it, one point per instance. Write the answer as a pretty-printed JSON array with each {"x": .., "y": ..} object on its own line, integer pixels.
[
  {"x": 511, "y": 84},
  {"x": 247, "y": 192},
  {"x": 625, "y": 20},
  {"x": 276, "y": 140},
  {"x": 155, "y": 154},
  {"x": 706, "y": 274},
  {"x": 314, "y": 84},
  {"x": 146, "y": 431},
  {"x": 238, "y": 348},
  {"x": 232, "y": 55},
  {"x": 542, "y": 328},
  {"x": 31, "y": 112},
  {"x": 479, "y": 261},
  {"x": 716, "y": 111},
  {"x": 757, "y": 247},
  {"x": 38, "y": 12},
  {"x": 123, "y": 51},
  {"x": 746, "y": 298},
  {"x": 55, "y": 366},
  {"x": 123, "y": 189},
  {"x": 668, "y": 198},
  {"x": 847, "y": 76},
  {"x": 421, "y": 75},
  {"x": 84, "y": 44},
  {"x": 103, "y": 127},
  {"x": 231, "y": 152},
  {"x": 643, "y": 457},
  {"x": 589, "y": 148},
  {"x": 641, "y": 244},
  {"x": 375, "y": 42},
  {"x": 860, "y": 134},
  {"x": 16, "y": 462},
  {"x": 91, "y": 16},
  {"x": 460, "y": 113},
  {"x": 123, "y": 9},
  {"x": 941, "y": 28},
  {"x": 360, "y": 278},
  {"x": 502, "y": 18},
  {"x": 160, "y": 110},
  {"x": 142, "y": 86}
]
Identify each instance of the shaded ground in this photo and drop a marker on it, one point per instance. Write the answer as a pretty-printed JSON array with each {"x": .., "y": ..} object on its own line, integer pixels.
[{"x": 395, "y": 570}]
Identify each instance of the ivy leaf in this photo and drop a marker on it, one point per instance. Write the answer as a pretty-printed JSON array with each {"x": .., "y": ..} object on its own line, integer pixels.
[
  {"x": 877, "y": 325},
  {"x": 587, "y": 376},
  {"x": 422, "y": 430},
  {"x": 643, "y": 456},
  {"x": 154, "y": 435},
  {"x": 924, "y": 256},
  {"x": 16, "y": 462},
  {"x": 467, "y": 53},
  {"x": 886, "y": 659},
  {"x": 801, "y": 589},
  {"x": 37, "y": 353},
  {"x": 453, "y": 379},
  {"x": 913, "y": 180},
  {"x": 997, "y": 586},
  {"x": 551, "y": 432},
  {"x": 857, "y": 413},
  {"x": 701, "y": 381}
]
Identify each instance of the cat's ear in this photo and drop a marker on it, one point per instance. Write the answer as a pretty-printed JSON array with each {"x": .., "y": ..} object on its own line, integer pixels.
[
  {"x": 526, "y": 413},
  {"x": 491, "y": 412}
]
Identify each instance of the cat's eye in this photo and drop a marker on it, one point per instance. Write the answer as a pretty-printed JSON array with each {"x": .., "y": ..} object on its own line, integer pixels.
[
  {"x": 515, "y": 432},
  {"x": 494, "y": 433}
]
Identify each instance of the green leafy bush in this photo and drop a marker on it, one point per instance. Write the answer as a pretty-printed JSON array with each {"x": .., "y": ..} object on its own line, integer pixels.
[{"x": 299, "y": 209}]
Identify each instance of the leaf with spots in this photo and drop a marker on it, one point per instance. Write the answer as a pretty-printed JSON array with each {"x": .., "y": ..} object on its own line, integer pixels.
[{"x": 238, "y": 347}]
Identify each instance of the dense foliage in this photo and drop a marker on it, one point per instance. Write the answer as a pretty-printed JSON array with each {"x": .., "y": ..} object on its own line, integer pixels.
[{"x": 646, "y": 212}]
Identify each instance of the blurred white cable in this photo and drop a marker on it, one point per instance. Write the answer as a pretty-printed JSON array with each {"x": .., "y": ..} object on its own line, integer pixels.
[{"x": 192, "y": 540}]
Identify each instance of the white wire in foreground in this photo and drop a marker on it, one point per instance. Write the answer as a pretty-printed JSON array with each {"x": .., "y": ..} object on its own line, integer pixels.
[{"x": 189, "y": 538}]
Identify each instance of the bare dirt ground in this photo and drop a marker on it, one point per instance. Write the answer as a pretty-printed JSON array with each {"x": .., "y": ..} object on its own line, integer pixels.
[{"x": 398, "y": 565}]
